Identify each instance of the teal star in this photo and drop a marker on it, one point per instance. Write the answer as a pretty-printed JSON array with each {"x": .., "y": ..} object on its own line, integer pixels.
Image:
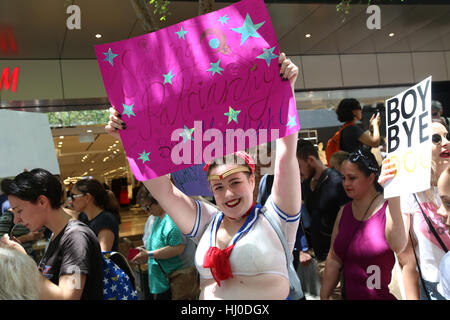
[
  {"x": 128, "y": 110},
  {"x": 292, "y": 122},
  {"x": 181, "y": 33},
  {"x": 232, "y": 114},
  {"x": 187, "y": 134},
  {"x": 110, "y": 56},
  {"x": 268, "y": 55},
  {"x": 224, "y": 19},
  {"x": 144, "y": 156},
  {"x": 248, "y": 29},
  {"x": 215, "y": 67},
  {"x": 168, "y": 78}
]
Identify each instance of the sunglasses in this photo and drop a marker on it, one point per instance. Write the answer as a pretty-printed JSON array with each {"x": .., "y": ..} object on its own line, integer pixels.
[
  {"x": 358, "y": 155},
  {"x": 437, "y": 138},
  {"x": 74, "y": 196}
]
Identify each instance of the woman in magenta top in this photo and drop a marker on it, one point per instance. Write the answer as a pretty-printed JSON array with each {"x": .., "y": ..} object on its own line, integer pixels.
[{"x": 367, "y": 232}]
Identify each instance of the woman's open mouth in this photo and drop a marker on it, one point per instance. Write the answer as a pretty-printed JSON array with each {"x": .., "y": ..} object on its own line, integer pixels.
[
  {"x": 233, "y": 203},
  {"x": 445, "y": 154}
]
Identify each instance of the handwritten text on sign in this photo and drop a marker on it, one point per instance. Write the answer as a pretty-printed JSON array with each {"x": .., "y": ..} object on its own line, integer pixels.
[
  {"x": 408, "y": 128},
  {"x": 199, "y": 89}
]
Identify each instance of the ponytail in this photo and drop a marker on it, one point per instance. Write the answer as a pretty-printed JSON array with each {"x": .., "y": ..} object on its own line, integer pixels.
[
  {"x": 112, "y": 205},
  {"x": 104, "y": 199}
]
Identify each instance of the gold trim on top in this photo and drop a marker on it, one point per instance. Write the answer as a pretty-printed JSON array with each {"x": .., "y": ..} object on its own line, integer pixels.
[{"x": 228, "y": 173}]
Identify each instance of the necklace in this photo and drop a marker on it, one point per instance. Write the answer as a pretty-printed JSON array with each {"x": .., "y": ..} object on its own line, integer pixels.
[{"x": 367, "y": 210}]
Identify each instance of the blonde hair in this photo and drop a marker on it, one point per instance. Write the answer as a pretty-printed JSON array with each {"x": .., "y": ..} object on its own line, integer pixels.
[{"x": 19, "y": 276}]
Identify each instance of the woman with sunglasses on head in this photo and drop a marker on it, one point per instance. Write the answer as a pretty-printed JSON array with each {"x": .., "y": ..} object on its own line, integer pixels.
[
  {"x": 239, "y": 255},
  {"x": 423, "y": 243},
  {"x": 352, "y": 137},
  {"x": 99, "y": 209},
  {"x": 367, "y": 232}
]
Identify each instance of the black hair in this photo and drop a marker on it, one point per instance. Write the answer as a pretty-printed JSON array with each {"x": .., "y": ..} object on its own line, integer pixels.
[
  {"x": 305, "y": 148},
  {"x": 104, "y": 199},
  {"x": 367, "y": 164},
  {"x": 29, "y": 185},
  {"x": 345, "y": 108}
]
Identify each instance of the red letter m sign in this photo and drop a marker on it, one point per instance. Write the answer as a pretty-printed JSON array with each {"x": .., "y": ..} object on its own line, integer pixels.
[{"x": 5, "y": 80}]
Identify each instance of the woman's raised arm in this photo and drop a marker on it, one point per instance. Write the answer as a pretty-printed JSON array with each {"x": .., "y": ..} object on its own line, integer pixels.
[
  {"x": 286, "y": 190},
  {"x": 180, "y": 207}
]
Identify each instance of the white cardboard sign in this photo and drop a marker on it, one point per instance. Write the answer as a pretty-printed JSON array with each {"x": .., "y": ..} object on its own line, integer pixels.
[
  {"x": 25, "y": 143},
  {"x": 408, "y": 139}
]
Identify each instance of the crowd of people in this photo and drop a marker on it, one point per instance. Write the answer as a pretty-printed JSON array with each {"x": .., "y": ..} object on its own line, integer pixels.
[{"x": 239, "y": 247}]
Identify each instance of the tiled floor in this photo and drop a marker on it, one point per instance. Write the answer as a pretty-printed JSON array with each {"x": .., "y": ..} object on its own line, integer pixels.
[{"x": 133, "y": 222}]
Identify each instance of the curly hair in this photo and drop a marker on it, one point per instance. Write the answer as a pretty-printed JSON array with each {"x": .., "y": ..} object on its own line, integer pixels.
[
  {"x": 19, "y": 276},
  {"x": 345, "y": 108}
]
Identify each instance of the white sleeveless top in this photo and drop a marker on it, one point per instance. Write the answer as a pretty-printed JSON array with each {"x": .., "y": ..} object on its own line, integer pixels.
[{"x": 257, "y": 249}]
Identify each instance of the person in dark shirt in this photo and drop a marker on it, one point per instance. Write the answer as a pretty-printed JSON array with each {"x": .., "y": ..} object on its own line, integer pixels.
[
  {"x": 99, "y": 209},
  {"x": 323, "y": 196},
  {"x": 72, "y": 265},
  {"x": 353, "y": 137}
]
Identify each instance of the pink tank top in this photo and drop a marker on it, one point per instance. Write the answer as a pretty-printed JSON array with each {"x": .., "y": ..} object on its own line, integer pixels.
[{"x": 368, "y": 260}]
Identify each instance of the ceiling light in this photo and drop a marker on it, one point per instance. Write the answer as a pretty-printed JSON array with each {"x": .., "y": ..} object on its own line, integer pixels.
[
  {"x": 91, "y": 169},
  {"x": 117, "y": 141},
  {"x": 308, "y": 35},
  {"x": 391, "y": 34},
  {"x": 98, "y": 35},
  {"x": 89, "y": 131},
  {"x": 61, "y": 137}
]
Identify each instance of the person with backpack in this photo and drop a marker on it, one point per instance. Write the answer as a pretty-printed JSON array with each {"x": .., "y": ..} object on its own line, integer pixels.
[
  {"x": 350, "y": 137},
  {"x": 71, "y": 267}
]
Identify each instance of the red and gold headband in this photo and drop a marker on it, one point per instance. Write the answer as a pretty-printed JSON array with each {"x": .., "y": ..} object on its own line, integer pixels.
[{"x": 248, "y": 160}]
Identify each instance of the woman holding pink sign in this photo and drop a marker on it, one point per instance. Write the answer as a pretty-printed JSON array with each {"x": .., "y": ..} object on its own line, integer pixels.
[{"x": 239, "y": 253}]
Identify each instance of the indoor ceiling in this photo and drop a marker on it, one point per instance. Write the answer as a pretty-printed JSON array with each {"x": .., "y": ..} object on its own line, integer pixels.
[
  {"x": 39, "y": 27},
  {"x": 101, "y": 156}
]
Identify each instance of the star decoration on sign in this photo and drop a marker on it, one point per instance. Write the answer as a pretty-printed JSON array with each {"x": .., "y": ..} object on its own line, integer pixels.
[
  {"x": 168, "y": 77},
  {"x": 215, "y": 68},
  {"x": 144, "y": 156},
  {"x": 187, "y": 134},
  {"x": 248, "y": 29},
  {"x": 232, "y": 115},
  {"x": 224, "y": 19},
  {"x": 110, "y": 56},
  {"x": 292, "y": 122},
  {"x": 268, "y": 55},
  {"x": 128, "y": 110},
  {"x": 181, "y": 33}
]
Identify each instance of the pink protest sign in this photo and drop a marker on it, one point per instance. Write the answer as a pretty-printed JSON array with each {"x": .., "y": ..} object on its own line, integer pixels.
[{"x": 198, "y": 90}]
